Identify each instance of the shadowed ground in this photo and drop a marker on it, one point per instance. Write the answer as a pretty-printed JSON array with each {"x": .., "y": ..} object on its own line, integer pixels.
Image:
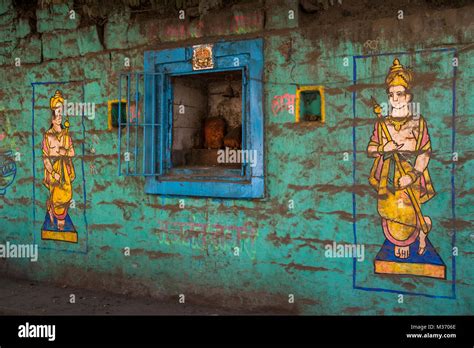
[{"x": 23, "y": 297}]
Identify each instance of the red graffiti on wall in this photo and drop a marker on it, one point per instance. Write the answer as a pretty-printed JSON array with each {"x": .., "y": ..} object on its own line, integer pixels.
[
  {"x": 176, "y": 31},
  {"x": 283, "y": 102},
  {"x": 205, "y": 234},
  {"x": 246, "y": 21},
  {"x": 134, "y": 115},
  {"x": 181, "y": 31}
]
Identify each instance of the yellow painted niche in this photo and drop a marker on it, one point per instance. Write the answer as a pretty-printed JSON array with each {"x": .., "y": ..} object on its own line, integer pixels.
[
  {"x": 301, "y": 89},
  {"x": 110, "y": 103}
]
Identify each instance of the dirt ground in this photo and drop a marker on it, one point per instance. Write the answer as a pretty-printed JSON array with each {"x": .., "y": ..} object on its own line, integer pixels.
[{"x": 24, "y": 297}]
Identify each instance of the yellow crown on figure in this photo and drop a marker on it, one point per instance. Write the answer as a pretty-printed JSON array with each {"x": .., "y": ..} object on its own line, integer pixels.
[
  {"x": 56, "y": 99},
  {"x": 399, "y": 76}
]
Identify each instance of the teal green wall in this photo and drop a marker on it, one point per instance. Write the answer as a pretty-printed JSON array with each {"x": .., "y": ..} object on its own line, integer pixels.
[{"x": 304, "y": 163}]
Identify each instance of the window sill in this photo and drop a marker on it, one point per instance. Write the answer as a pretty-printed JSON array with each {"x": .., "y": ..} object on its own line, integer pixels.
[{"x": 239, "y": 188}]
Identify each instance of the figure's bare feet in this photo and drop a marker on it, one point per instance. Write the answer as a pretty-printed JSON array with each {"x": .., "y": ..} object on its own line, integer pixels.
[
  {"x": 422, "y": 245},
  {"x": 61, "y": 224},
  {"x": 402, "y": 252},
  {"x": 422, "y": 237}
]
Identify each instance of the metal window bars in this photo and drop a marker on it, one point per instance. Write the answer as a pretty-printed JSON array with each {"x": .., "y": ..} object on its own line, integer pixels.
[
  {"x": 141, "y": 147},
  {"x": 138, "y": 137}
]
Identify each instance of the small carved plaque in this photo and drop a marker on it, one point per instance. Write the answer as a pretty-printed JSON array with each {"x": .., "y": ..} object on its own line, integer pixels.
[{"x": 202, "y": 57}]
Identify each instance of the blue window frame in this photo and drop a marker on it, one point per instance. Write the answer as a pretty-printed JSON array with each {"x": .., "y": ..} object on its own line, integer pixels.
[{"x": 162, "y": 176}]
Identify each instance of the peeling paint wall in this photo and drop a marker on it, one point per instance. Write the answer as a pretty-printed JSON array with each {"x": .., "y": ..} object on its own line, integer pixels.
[{"x": 174, "y": 249}]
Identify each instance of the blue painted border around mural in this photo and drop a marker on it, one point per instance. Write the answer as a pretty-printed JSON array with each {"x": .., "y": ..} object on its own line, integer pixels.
[
  {"x": 453, "y": 169},
  {"x": 33, "y": 84}
]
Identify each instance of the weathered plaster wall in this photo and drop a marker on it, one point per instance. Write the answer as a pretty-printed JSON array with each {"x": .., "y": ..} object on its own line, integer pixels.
[{"x": 304, "y": 163}]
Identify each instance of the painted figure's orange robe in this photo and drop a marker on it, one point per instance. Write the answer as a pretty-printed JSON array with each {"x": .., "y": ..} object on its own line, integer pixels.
[
  {"x": 60, "y": 192},
  {"x": 399, "y": 220}
]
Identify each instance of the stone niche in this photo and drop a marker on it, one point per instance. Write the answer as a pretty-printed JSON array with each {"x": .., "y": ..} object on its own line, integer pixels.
[{"x": 207, "y": 117}]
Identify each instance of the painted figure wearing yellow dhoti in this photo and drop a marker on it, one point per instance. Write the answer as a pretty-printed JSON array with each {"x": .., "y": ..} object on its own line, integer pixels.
[
  {"x": 59, "y": 174},
  {"x": 401, "y": 146}
]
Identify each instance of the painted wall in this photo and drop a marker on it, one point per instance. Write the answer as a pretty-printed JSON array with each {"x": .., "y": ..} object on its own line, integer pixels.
[{"x": 317, "y": 189}]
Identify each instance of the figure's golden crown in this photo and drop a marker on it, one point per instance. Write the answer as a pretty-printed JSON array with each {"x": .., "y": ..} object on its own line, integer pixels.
[
  {"x": 399, "y": 75},
  {"x": 56, "y": 99}
]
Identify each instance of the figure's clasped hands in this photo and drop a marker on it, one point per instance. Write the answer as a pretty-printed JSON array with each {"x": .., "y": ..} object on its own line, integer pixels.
[
  {"x": 62, "y": 151},
  {"x": 404, "y": 181},
  {"x": 57, "y": 178},
  {"x": 391, "y": 146}
]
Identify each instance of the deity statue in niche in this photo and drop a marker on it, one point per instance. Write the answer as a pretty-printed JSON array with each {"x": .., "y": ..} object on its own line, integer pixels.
[
  {"x": 401, "y": 146},
  {"x": 59, "y": 174}
]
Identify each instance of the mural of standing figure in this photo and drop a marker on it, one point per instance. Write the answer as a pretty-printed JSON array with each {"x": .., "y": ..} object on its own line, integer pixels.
[
  {"x": 59, "y": 174},
  {"x": 401, "y": 146}
]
